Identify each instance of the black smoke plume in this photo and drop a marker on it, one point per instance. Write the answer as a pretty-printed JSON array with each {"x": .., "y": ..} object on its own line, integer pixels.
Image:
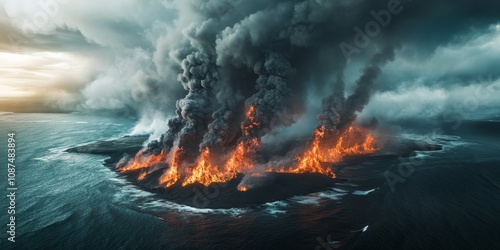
[{"x": 269, "y": 55}]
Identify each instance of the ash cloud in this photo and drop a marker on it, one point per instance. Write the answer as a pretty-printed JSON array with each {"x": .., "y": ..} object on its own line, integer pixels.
[{"x": 204, "y": 62}]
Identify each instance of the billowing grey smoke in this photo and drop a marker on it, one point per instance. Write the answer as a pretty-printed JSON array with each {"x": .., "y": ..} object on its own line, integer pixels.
[
  {"x": 272, "y": 100},
  {"x": 193, "y": 111},
  {"x": 222, "y": 131},
  {"x": 268, "y": 55},
  {"x": 339, "y": 112}
]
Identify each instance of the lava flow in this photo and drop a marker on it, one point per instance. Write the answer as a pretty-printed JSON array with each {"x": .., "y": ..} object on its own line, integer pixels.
[{"x": 326, "y": 146}]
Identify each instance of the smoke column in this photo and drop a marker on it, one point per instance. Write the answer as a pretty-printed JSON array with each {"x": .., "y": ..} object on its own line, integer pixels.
[{"x": 247, "y": 68}]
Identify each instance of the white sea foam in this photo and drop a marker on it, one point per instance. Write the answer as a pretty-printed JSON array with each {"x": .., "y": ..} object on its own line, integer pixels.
[
  {"x": 316, "y": 198},
  {"x": 307, "y": 200},
  {"x": 359, "y": 192},
  {"x": 163, "y": 205},
  {"x": 276, "y": 207},
  {"x": 332, "y": 195},
  {"x": 448, "y": 142},
  {"x": 342, "y": 190},
  {"x": 128, "y": 194},
  {"x": 54, "y": 154}
]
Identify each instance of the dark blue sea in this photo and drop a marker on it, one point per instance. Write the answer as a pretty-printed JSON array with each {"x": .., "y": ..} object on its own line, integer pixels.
[{"x": 447, "y": 199}]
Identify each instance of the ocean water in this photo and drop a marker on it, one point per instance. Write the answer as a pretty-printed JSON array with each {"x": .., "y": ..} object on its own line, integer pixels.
[{"x": 451, "y": 199}]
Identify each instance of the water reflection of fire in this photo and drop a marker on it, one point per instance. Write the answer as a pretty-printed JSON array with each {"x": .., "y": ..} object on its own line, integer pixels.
[{"x": 327, "y": 145}]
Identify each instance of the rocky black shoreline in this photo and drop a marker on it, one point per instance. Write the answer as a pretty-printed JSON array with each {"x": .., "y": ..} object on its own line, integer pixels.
[{"x": 272, "y": 187}]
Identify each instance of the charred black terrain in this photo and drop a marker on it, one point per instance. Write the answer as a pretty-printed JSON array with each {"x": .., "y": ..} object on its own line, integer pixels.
[{"x": 268, "y": 188}]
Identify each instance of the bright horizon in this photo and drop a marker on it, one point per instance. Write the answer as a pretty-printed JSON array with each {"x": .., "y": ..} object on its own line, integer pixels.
[
  {"x": 24, "y": 75},
  {"x": 124, "y": 56}
]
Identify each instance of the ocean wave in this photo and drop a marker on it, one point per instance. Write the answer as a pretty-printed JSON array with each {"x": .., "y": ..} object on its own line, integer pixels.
[
  {"x": 307, "y": 200},
  {"x": 60, "y": 154},
  {"x": 55, "y": 154},
  {"x": 431, "y": 138},
  {"x": 448, "y": 142},
  {"x": 276, "y": 207},
  {"x": 334, "y": 194},
  {"x": 359, "y": 192},
  {"x": 147, "y": 202},
  {"x": 165, "y": 206}
]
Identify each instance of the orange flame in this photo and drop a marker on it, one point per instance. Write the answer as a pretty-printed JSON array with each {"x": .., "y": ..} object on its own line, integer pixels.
[
  {"x": 212, "y": 168},
  {"x": 240, "y": 161},
  {"x": 242, "y": 158},
  {"x": 205, "y": 172},
  {"x": 354, "y": 141},
  {"x": 142, "y": 176},
  {"x": 252, "y": 124},
  {"x": 172, "y": 175},
  {"x": 141, "y": 162}
]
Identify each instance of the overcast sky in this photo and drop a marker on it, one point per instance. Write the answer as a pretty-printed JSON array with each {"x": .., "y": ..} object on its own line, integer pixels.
[{"x": 123, "y": 55}]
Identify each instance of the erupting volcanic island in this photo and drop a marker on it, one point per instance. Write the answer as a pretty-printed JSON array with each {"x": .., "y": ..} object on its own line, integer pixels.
[
  {"x": 217, "y": 150},
  {"x": 327, "y": 145}
]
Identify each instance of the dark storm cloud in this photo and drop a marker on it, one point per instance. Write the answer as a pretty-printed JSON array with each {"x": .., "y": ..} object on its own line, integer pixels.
[{"x": 147, "y": 45}]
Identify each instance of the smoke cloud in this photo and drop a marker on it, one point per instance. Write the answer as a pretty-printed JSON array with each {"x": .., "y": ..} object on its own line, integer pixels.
[{"x": 198, "y": 66}]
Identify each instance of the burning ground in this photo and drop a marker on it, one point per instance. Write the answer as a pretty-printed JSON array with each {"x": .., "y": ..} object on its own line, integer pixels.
[{"x": 259, "y": 188}]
